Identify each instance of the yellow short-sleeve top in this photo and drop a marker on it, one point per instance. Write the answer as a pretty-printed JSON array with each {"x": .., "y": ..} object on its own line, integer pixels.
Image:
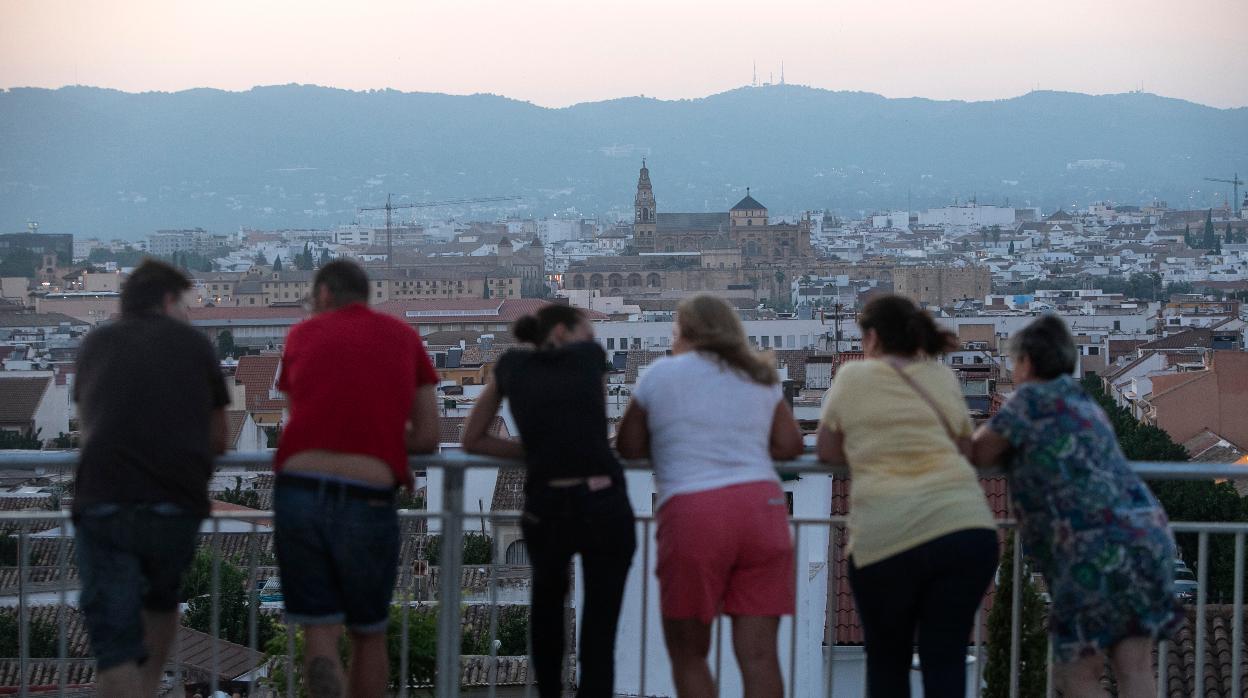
[{"x": 910, "y": 484}]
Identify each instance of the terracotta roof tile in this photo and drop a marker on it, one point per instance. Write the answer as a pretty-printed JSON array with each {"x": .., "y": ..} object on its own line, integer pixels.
[{"x": 20, "y": 397}]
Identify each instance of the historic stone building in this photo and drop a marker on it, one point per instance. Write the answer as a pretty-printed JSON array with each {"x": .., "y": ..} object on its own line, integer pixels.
[
  {"x": 745, "y": 227},
  {"x": 941, "y": 285}
]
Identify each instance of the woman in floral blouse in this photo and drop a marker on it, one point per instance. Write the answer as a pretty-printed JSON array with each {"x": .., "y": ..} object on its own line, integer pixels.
[{"x": 1087, "y": 521}]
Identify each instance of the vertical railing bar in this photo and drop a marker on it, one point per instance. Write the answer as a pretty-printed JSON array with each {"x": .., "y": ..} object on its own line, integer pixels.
[
  {"x": 719, "y": 655},
  {"x": 447, "y": 682},
  {"x": 1050, "y": 690},
  {"x": 291, "y": 629},
  {"x": 528, "y": 649},
  {"x": 1202, "y": 577},
  {"x": 1163, "y": 648},
  {"x": 978, "y": 639},
  {"x": 645, "y": 600},
  {"x": 1237, "y": 625},
  {"x": 23, "y": 613},
  {"x": 1016, "y": 614},
  {"x": 253, "y": 594},
  {"x": 406, "y": 596},
  {"x": 831, "y": 610},
  {"x": 62, "y": 616},
  {"x": 215, "y": 599},
  {"x": 492, "y": 590},
  {"x": 177, "y": 659},
  {"x": 797, "y": 567}
]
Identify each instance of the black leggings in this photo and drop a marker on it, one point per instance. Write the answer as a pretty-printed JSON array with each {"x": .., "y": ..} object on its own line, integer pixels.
[
  {"x": 559, "y": 523},
  {"x": 935, "y": 587}
]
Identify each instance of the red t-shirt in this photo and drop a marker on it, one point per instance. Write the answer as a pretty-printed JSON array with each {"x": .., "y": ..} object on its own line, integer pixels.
[{"x": 350, "y": 376}]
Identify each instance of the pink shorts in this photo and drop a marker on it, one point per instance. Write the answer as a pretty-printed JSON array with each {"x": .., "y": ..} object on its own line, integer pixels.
[{"x": 727, "y": 549}]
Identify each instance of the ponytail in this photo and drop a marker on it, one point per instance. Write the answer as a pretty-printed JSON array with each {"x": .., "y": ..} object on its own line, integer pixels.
[
  {"x": 536, "y": 328},
  {"x": 903, "y": 328}
]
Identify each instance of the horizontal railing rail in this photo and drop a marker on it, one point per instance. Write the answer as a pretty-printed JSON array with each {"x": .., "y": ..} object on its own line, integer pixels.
[{"x": 455, "y": 464}]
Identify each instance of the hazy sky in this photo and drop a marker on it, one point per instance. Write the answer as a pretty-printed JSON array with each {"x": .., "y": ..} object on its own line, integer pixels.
[{"x": 559, "y": 52}]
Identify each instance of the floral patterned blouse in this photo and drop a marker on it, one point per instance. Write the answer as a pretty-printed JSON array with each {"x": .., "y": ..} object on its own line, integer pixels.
[{"x": 1088, "y": 522}]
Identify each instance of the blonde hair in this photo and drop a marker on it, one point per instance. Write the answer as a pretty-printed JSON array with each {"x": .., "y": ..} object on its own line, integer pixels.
[{"x": 709, "y": 324}]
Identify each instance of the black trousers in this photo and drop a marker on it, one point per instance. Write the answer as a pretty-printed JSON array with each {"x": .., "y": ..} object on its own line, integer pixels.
[
  {"x": 559, "y": 523},
  {"x": 934, "y": 588}
]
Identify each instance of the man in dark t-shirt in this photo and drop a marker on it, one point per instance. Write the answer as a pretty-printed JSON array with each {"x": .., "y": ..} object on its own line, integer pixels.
[{"x": 151, "y": 402}]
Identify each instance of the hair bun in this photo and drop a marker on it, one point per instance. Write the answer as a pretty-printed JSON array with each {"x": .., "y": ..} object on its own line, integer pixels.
[{"x": 527, "y": 329}]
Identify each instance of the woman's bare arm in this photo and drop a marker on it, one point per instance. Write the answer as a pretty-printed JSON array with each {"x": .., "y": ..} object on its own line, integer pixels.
[
  {"x": 477, "y": 437},
  {"x": 988, "y": 448},
  {"x": 830, "y": 446},
  {"x": 786, "y": 438},
  {"x": 632, "y": 439}
]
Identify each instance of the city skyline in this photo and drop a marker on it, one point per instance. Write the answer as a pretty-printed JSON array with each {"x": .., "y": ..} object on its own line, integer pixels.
[{"x": 557, "y": 54}]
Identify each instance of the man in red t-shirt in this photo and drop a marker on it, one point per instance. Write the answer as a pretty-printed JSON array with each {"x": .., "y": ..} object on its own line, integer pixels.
[{"x": 362, "y": 396}]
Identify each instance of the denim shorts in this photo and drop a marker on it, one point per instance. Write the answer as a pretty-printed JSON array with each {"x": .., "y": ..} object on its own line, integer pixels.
[
  {"x": 131, "y": 558},
  {"x": 337, "y": 550}
]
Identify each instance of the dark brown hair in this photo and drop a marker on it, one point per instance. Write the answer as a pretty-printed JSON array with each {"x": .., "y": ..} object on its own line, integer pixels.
[
  {"x": 903, "y": 328},
  {"x": 535, "y": 329},
  {"x": 709, "y": 324},
  {"x": 346, "y": 281},
  {"x": 148, "y": 285}
]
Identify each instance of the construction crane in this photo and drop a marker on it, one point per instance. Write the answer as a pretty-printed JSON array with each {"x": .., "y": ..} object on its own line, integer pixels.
[
  {"x": 1235, "y": 182},
  {"x": 390, "y": 207}
]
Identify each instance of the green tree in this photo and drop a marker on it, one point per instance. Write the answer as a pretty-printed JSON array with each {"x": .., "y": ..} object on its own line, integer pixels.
[
  {"x": 303, "y": 260},
  {"x": 42, "y": 637},
  {"x": 1187, "y": 236},
  {"x": 277, "y": 263},
  {"x": 233, "y": 601},
  {"x": 260, "y": 260},
  {"x": 1210, "y": 239},
  {"x": 1011, "y": 248},
  {"x": 19, "y": 261},
  {"x": 17, "y": 440},
  {"x": 422, "y": 651},
  {"x": 478, "y": 549},
  {"x": 325, "y": 258},
  {"x": 225, "y": 344},
  {"x": 238, "y": 495},
  {"x": 1034, "y": 643},
  {"x": 1183, "y": 500}
]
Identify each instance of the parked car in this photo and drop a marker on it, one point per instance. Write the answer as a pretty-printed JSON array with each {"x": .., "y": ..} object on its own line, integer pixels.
[{"x": 1185, "y": 584}]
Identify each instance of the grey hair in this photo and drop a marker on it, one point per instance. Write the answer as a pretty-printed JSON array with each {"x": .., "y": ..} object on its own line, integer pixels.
[{"x": 1048, "y": 344}]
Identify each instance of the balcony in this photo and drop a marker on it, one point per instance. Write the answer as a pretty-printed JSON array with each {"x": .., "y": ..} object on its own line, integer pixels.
[{"x": 477, "y": 625}]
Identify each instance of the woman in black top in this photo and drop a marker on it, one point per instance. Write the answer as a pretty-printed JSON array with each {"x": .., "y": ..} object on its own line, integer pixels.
[{"x": 575, "y": 499}]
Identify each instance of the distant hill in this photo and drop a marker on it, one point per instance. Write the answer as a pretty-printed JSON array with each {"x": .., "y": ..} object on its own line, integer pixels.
[{"x": 101, "y": 162}]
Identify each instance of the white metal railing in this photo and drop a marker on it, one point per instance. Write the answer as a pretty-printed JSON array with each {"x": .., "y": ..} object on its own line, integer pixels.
[{"x": 454, "y": 466}]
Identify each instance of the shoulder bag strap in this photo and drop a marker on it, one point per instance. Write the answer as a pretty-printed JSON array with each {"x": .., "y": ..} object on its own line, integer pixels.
[{"x": 926, "y": 398}]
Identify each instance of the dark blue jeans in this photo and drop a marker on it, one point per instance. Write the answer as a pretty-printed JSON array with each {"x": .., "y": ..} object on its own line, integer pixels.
[
  {"x": 559, "y": 523},
  {"x": 131, "y": 558},
  {"x": 338, "y": 549}
]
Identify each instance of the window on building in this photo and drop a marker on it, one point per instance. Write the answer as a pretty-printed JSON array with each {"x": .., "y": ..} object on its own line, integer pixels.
[
  {"x": 1117, "y": 325},
  {"x": 610, "y": 343},
  {"x": 958, "y": 361},
  {"x": 753, "y": 341},
  {"x": 636, "y": 342},
  {"x": 517, "y": 553},
  {"x": 778, "y": 342},
  {"x": 805, "y": 340},
  {"x": 790, "y": 342},
  {"x": 766, "y": 341},
  {"x": 1094, "y": 351},
  {"x": 979, "y": 359}
]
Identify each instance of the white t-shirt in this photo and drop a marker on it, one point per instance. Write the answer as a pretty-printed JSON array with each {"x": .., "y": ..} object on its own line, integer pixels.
[{"x": 710, "y": 426}]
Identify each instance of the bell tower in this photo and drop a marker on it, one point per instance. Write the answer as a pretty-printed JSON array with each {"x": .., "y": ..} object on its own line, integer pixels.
[{"x": 645, "y": 217}]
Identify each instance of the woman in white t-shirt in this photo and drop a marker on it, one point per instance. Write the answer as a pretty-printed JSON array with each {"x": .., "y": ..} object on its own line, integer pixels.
[{"x": 711, "y": 418}]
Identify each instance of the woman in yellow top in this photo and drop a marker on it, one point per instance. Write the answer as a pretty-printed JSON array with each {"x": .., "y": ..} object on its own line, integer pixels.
[{"x": 922, "y": 541}]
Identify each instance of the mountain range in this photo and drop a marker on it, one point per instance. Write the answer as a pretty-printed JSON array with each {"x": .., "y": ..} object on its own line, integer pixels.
[{"x": 100, "y": 162}]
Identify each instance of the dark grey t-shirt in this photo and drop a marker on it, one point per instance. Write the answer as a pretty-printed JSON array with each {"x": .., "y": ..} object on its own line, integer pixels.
[{"x": 146, "y": 387}]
